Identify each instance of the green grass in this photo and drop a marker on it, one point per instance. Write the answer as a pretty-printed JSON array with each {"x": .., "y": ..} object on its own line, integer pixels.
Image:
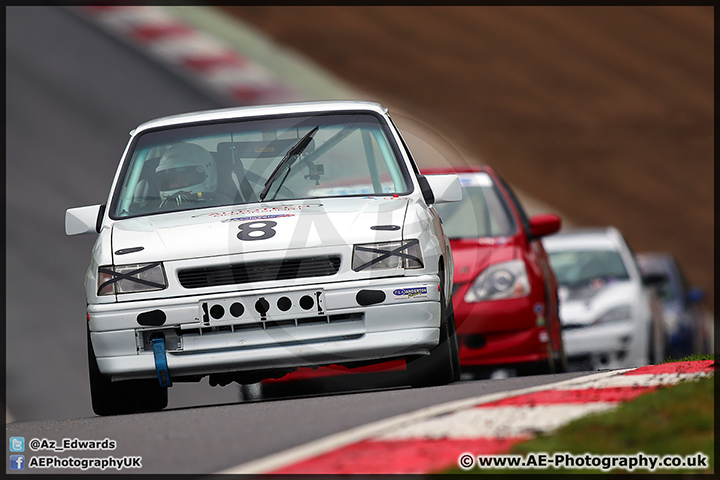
[
  {"x": 694, "y": 357},
  {"x": 676, "y": 420}
]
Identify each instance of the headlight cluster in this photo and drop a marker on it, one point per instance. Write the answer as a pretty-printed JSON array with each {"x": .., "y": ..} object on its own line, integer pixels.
[
  {"x": 119, "y": 279},
  {"x": 616, "y": 314},
  {"x": 388, "y": 255},
  {"x": 500, "y": 281}
]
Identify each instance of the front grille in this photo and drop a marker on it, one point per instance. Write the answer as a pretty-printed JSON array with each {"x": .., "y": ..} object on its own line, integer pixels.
[
  {"x": 267, "y": 271},
  {"x": 337, "y": 319}
]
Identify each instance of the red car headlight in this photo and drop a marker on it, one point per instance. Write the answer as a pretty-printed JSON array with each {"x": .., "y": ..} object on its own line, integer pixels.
[{"x": 500, "y": 281}]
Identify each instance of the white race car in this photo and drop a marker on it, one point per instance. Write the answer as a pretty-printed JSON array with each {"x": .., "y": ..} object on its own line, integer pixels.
[
  {"x": 610, "y": 314},
  {"x": 243, "y": 243}
]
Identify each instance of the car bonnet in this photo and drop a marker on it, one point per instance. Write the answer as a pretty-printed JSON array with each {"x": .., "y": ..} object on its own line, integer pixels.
[
  {"x": 585, "y": 307},
  {"x": 257, "y": 228},
  {"x": 472, "y": 256}
]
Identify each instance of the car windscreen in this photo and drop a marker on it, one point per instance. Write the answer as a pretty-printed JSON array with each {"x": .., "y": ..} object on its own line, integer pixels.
[
  {"x": 482, "y": 212},
  {"x": 229, "y": 163},
  {"x": 576, "y": 268}
]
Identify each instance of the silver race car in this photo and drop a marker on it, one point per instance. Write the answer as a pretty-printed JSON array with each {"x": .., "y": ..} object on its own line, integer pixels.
[{"x": 610, "y": 313}]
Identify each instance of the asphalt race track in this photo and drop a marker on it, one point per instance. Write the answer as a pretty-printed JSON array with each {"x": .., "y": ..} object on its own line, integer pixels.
[{"x": 73, "y": 94}]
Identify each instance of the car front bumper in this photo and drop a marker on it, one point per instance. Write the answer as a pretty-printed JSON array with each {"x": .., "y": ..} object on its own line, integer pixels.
[
  {"x": 525, "y": 346},
  {"x": 500, "y": 332},
  {"x": 609, "y": 346},
  {"x": 335, "y": 329}
]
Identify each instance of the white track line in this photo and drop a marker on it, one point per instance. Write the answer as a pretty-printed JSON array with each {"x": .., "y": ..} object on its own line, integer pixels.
[
  {"x": 648, "y": 380},
  {"x": 494, "y": 422}
]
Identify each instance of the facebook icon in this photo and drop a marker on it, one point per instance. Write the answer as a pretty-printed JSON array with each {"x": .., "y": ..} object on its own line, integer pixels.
[{"x": 17, "y": 462}]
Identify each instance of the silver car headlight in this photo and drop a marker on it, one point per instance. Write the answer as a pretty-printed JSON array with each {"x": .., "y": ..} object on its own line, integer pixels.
[
  {"x": 387, "y": 255},
  {"x": 620, "y": 313},
  {"x": 500, "y": 281},
  {"x": 144, "y": 277}
]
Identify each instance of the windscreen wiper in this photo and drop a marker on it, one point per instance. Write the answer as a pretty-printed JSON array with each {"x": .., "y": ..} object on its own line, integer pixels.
[{"x": 291, "y": 154}]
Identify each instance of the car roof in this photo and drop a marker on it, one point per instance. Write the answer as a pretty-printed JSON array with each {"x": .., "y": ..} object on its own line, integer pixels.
[
  {"x": 655, "y": 256},
  {"x": 260, "y": 110},
  {"x": 655, "y": 261},
  {"x": 606, "y": 238}
]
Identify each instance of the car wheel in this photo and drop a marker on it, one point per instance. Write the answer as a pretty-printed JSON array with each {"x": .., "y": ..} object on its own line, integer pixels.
[
  {"x": 556, "y": 359},
  {"x": 556, "y": 363},
  {"x": 550, "y": 366},
  {"x": 457, "y": 369},
  {"x": 438, "y": 367},
  {"x": 129, "y": 396},
  {"x": 434, "y": 369},
  {"x": 561, "y": 362},
  {"x": 450, "y": 321},
  {"x": 657, "y": 342},
  {"x": 655, "y": 346}
]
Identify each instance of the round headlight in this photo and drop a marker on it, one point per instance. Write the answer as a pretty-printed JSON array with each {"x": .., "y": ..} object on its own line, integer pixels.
[{"x": 502, "y": 280}]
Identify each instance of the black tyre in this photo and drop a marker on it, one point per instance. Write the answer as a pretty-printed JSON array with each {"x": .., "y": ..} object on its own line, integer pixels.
[
  {"x": 651, "y": 345},
  {"x": 438, "y": 367},
  {"x": 656, "y": 345},
  {"x": 129, "y": 396},
  {"x": 457, "y": 370},
  {"x": 556, "y": 363},
  {"x": 434, "y": 369},
  {"x": 557, "y": 360},
  {"x": 561, "y": 362}
]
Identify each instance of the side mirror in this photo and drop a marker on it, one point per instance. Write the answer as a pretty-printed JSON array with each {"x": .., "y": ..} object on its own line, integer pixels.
[
  {"x": 695, "y": 295},
  {"x": 445, "y": 188},
  {"x": 426, "y": 190},
  {"x": 542, "y": 225},
  {"x": 654, "y": 279},
  {"x": 81, "y": 220}
]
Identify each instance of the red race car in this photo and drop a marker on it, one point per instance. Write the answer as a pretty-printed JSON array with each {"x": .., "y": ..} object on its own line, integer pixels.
[{"x": 504, "y": 293}]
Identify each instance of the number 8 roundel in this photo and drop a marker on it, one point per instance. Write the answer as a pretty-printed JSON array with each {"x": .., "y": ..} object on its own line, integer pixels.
[{"x": 249, "y": 230}]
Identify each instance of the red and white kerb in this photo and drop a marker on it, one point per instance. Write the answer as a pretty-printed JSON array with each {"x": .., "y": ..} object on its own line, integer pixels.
[{"x": 202, "y": 55}]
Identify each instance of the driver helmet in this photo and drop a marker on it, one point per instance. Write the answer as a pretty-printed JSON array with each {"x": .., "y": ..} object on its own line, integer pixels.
[{"x": 186, "y": 167}]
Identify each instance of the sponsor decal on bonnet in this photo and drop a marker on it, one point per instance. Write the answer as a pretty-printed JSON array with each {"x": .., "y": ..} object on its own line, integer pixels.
[
  {"x": 259, "y": 211},
  {"x": 257, "y": 217}
]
